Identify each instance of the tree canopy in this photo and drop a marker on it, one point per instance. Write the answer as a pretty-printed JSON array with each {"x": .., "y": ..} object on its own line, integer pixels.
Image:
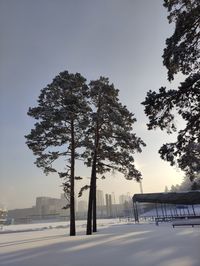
[
  {"x": 62, "y": 119},
  {"x": 181, "y": 54},
  {"x": 113, "y": 123},
  {"x": 111, "y": 142}
]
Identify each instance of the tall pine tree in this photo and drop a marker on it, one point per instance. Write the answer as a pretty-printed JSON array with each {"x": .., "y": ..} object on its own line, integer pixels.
[
  {"x": 61, "y": 117},
  {"x": 110, "y": 142}
]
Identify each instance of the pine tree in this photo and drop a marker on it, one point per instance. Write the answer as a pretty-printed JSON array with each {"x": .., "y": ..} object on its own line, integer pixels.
[
  {"x": 187, "y": 184},
  {"x": 166, "y": 189},
  {"x": 110, "y": 141},
  {"x": 182, "y": 54},
  {"x": 62, "y": 120}
]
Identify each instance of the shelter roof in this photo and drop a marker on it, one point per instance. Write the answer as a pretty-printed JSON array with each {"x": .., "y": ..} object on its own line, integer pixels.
[{"x": 188, "y": 197}]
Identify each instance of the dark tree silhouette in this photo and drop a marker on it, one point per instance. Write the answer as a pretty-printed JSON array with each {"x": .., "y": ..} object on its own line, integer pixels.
[
  {"x": 110, "y": 141},
  {"x": 182, "y": 54},
  {"x": 62, "y": 120}
]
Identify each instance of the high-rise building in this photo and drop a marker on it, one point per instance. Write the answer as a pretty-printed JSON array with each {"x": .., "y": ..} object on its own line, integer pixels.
[
  {"x": 109, "y": 205},
  {"x": 47, "y": 205},
  {"x": 124, "y": 198},
  {"x": 113, "y": 198},
  {"x": 100, "y": 198}
]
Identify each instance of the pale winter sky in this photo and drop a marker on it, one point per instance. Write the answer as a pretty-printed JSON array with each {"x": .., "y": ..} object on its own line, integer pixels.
[{"x": 119, "y": 39}]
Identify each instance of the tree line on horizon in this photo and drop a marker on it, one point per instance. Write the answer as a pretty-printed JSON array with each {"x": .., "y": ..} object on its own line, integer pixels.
[
  {"x": 185, "y": 185},
  {"x": 81, "y": 121}
]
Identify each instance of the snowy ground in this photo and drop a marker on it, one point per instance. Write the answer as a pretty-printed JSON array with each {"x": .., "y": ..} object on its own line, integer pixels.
[{"x": 117, "y": 244}]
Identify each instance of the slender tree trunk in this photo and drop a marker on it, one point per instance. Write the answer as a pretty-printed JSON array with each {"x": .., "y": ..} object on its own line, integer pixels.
[
  {"x": 94, "y": 209},
  {"x": 92, "y": 193},
  {"x": 90, "y": 203},
  {"x": 72, "y": 201},
  {"x": 94, "y": 205},
  {"x": 91, "y": 218}
]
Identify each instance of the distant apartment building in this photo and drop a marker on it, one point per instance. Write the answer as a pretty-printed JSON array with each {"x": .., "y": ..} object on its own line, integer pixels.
[
  {"x": 109, "y": 205},
  {"x": 48, "y": 206},
  {"x": 51, "y": 206},
  {"x": 22, "y": 215},
  {"x": 100, "y": 198},
  {"x": 45, "y": 208},
  {"x": 113, "y": 198},
  {"x": 124, "y": 198}
]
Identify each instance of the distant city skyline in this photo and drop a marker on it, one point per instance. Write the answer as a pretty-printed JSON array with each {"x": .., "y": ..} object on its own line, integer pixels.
[
  {"x": 48, "y": 208},
  {"x": 122, "y": 40},
  {"x": 80, "y": 201}
]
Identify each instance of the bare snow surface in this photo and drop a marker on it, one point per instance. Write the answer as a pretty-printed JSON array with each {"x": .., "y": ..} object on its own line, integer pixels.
[{"x": 116, "y": 243}]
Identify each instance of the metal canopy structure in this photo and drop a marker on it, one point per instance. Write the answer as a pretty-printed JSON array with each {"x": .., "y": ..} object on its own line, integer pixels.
[
  {"x": 169, "y": 205},
  {"x": 186, "y": 198}
]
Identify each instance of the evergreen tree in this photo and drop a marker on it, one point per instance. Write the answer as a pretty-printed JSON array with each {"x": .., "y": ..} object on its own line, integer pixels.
[
  {"x": 62, "y": 120},
  {"x": 110, "y": 143},
  {"x": 187, "y": 185},
  {"x": 166, "y": 189},
  {"x": 182, "y": 54}
]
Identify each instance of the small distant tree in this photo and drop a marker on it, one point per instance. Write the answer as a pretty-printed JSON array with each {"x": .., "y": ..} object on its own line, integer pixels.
[
  {"x": 62, "y": 120},
  {"x": 174, "y": 188},
  {"x": 187, "y": 185},
  {"x": 181, "y": 55},
  {"x": 110, "y": 142},
  {"x": 166, "y": 189}
]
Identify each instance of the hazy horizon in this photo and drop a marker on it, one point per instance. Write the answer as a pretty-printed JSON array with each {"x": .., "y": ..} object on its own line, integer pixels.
[{"x": 115, "y": 199}]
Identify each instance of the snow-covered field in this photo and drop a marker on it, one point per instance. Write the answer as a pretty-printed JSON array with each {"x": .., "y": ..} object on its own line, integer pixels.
[{"x": 116, "y": 243}]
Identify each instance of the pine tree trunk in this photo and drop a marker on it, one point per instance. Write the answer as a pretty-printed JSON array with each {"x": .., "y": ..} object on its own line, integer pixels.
[
  {"x": 94, "y": 208},
  {"x": 92, "y": 199},
  {"x": 72, "y": 201},
  {"x": 94, "y": 203},
  {"x": 95, "y": 181},
  {"x": 92, "y": 193},
  {"x": 90, "y": 205}
]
